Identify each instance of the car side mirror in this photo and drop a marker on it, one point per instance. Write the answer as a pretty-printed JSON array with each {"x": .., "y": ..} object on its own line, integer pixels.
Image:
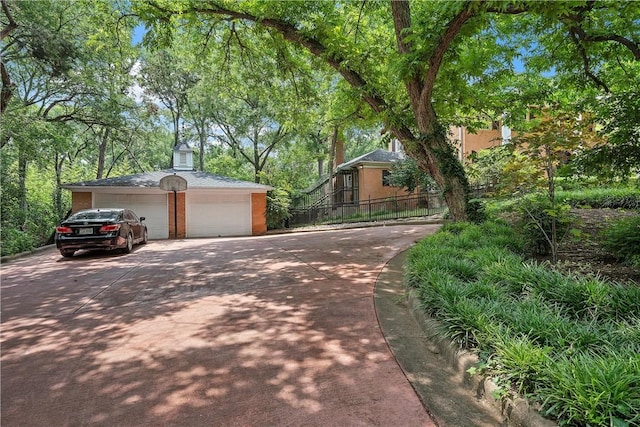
[{"x": 142, "y": 218}]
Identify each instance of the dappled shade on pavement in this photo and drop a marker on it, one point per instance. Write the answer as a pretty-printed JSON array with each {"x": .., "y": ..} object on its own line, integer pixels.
[{"x": 276, "y": 330}]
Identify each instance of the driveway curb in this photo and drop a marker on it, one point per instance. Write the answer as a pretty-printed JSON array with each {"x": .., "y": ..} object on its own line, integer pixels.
[
  {"x": 514, "y": 412},
  {"x": 10, "y": 258}
]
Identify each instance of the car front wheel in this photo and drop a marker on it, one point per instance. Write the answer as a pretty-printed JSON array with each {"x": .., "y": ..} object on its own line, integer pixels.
[
  {"x": 145, "y": 236},
  {"x": 129, "y": 245},
  {"x": 67, "y": 253}
]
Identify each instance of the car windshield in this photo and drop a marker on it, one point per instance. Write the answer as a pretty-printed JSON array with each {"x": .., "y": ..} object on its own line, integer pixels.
[{"x": 95, "y": 215}]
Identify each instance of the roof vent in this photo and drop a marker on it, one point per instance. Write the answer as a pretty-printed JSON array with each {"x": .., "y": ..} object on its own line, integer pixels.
[{"x": 183, "y": 157}]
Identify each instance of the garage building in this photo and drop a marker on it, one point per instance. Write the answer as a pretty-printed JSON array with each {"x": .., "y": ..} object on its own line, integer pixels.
[{"x": 210, "y": 206}]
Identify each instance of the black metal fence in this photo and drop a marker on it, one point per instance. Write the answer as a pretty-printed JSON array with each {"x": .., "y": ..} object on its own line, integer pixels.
[{"x": 424, "y": 204}]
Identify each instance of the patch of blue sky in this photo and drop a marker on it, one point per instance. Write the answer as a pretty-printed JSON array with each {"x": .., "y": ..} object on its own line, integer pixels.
[{"x": 138, "y": 34}]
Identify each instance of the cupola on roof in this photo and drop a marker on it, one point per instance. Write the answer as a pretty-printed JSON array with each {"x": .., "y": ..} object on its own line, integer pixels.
[{"x": 183, "y": 157}]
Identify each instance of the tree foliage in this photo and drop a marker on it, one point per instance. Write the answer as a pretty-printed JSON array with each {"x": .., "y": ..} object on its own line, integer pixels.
[
  {"x": 66, "y": 111},
  {"x": 406, "y": 174},
  {"x": 550, "y": 142},
  {"x": 617, "y": 155}
]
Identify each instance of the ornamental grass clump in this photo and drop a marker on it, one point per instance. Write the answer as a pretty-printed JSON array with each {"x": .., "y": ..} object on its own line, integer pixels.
[
  {"x": 622, "y": 238},
  {"x": 536, "y": 330},
  {"x": 593, "y": 390}
]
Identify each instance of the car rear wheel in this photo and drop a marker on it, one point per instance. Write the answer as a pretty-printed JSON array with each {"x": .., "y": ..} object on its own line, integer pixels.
[
  {"x": 129, "y": 246},
  {"x": 67, "y": 253}
]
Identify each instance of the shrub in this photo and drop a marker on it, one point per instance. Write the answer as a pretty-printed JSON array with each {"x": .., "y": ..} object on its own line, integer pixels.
[
  {"x": 597, "y": 198},
  {"x": 537, "y": 218},
  {"x": 476, "y": 211},
  {"x": 622, "y": 238},
  {"x": 277, "y": 208},
  {"x": 15, "y": 241}
]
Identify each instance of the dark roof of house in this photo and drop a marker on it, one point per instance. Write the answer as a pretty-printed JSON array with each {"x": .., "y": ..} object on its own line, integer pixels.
[
  {"x": 195, "y": 179},
  {"x": 377, "y": 156}
]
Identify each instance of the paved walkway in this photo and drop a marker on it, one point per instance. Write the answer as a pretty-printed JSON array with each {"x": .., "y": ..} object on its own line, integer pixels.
[{"x": 270, "y": 331}]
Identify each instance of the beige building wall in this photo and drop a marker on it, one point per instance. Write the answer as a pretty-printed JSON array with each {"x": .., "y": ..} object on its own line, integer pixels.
[{"x": 480, "y": 140}]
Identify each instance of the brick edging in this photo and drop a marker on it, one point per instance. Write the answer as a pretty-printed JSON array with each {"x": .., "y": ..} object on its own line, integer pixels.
[{"x": 518, "y": 412}]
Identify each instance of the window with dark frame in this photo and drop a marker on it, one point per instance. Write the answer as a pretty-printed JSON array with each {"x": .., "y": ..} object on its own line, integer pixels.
[{"x": 386, "y": 178}]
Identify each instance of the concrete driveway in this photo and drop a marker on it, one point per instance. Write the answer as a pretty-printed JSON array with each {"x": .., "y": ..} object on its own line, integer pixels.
[{"x": 265, "y": 331}]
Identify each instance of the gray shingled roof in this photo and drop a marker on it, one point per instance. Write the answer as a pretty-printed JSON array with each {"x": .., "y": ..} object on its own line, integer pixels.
[
  {"x": 195, "y": 179},
  {"x": 377, "y": 156}
]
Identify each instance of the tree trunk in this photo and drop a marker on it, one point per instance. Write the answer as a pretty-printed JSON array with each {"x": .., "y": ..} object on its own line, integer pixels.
[
  {"x": 102, "y": 152},
  {"x": 58, "y": 192},
  {"x": 256, "y": 156},
  {"x": 203, "y": 141},
  {"x": 22, "y": 185},
  {"x": 200, "y": 125},
  {"x": 7, "y": 88},
  {"x": 332, "y": 159},
  {"x": 435, "y": 154},
  {"x": 431, "y": 149},
  {"x": 176, "y": 129}
]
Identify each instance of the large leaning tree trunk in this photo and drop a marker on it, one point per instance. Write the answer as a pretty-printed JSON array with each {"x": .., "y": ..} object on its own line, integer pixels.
[{"x": 432, "y": 150}]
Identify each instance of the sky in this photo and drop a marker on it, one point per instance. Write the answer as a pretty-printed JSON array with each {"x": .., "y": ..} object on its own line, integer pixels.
[{"x": 138, "y": 34}]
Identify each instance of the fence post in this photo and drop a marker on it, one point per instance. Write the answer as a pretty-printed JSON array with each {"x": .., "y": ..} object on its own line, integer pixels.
[
  {"x": 428, "y": 196},
  {"x": 395, "y": 203},
  {"x": 369, "y": 208}
]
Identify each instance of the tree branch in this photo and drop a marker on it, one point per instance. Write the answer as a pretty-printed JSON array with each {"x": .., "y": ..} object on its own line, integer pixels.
[
  {"x": 585, "y": 62},
  {"x": 402, "y": 24},
  {"x": 575, "y": 27},
  {"x": 435, "y": 61},
  {"x": 7, "y": 86},
  {"x": 581, "y": 34},
  {"x": 12, "y": 25},
  {"x": 315, "y": 47}
]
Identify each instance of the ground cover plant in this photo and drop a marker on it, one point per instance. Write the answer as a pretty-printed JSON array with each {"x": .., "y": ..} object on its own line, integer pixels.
[
  {"x": 569, "y": 342},
  {"x": 622, "y": 238},
  {"x": 623, "y": 197},
  {"x": 586, "y": 245}
]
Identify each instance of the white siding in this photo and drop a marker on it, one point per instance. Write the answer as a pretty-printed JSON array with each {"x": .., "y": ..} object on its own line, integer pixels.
[
  {"x": 218, "y": 214},
  {"x": 151, "y": 206}
]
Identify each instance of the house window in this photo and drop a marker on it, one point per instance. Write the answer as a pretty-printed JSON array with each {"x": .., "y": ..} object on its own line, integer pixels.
[
  {"x": 183, "y": 158},
  {"x": 386, "y": 176},
  {"x": 348, "y": 182}
]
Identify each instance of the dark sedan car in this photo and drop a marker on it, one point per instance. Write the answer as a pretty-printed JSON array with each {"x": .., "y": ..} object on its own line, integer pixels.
[{"x": 104, "y": 228}]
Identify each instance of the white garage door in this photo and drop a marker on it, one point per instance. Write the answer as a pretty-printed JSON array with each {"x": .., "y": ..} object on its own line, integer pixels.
[
  {"x": 213, "y": 215},
  {"x": 151, "y": 206}
]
